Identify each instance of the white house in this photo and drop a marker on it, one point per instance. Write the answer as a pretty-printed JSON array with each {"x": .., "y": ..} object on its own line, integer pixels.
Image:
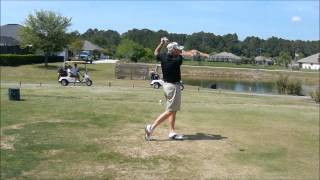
[
  {"x": 224, "y": 57},
  {"x": 263, "y": 60},
  {"x": 310, "y": 62}
]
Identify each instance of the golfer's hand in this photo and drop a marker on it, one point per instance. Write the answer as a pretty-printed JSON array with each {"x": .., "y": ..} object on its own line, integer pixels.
[{"x": 164, "y": 40}]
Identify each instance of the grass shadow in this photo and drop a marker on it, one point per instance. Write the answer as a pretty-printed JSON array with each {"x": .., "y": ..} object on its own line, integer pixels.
[
  {"x": 49, "y": 67},
  {"x": 55, "y": 67},
  {"x": 17, "y": 100},
  {"x": 197, "y": 137},
  {"x": 203, "y": 136}
]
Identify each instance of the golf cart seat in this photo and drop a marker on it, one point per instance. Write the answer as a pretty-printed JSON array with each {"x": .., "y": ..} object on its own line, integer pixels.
[{"x": 62, "y": 72}]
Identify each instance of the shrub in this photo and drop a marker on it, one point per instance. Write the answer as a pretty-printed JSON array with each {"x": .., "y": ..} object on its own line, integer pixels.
[
  {"x": 16, "y": 60},
  {"x": 285, "y": 85},
  {"x": 316, "y": 95},
  {"x": 294, "y": 87},
  {"x": 282, "y": 84}
]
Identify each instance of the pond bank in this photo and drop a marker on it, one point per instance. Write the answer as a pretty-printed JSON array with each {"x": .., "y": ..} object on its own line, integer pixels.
[{"x": 246, "y": 74}]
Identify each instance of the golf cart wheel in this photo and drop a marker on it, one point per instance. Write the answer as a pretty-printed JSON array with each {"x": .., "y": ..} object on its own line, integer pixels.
[
  {"x": 181, "y": 87},
  {"x": 88, "y": 82},
  {"x": 64, "y": 82},
  {"x": 156, "y": 85}
]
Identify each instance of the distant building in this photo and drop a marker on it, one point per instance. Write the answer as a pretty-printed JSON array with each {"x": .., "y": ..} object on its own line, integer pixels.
[
  {"x": 89, "y": 52},
  {"x": 224, "y": 57},
  {"x": 310, "y": 62},
  {"x": 89, "y": 46},
  {"x": 10, "y": 41},
  {"x": 263, "y": 60}
]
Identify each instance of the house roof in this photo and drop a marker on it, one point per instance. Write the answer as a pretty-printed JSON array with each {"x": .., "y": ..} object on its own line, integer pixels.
[
  {"x": 311, "y": 59},
  {"x": 8, "y": 41},
  {"x": 261, "y": 58},
  {"x": 225, "y": 55},
  {"x": 11, "y": 31},
  {"x": 88, "y": 46}
]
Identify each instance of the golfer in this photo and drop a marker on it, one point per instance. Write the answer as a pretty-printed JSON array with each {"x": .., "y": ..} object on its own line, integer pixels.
[
  {"x": 75, "y": 72},
  {"x": 170, "y": 65}
]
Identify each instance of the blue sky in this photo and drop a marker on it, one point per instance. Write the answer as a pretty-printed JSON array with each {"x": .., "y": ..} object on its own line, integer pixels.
[{"x": 286, "y": 19}]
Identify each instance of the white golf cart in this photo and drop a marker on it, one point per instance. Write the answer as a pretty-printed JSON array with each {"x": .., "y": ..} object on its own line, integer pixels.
[
  {"x": 157, "y": 83},
  {"x": 65, "y": 77}
]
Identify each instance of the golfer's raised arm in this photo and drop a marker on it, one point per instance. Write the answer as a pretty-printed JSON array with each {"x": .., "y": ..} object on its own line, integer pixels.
[
  {"x": 163, "y": 42},
  {"x": 158, "y": 48}
]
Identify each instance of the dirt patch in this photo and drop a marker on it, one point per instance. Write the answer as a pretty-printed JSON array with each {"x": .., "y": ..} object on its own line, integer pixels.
[
  {"x": 7, "y": 142},
  {"x": 205, "y": 158}
]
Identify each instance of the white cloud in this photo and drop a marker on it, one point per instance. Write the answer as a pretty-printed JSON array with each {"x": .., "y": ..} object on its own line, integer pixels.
[{"x": 296, "y": 18}]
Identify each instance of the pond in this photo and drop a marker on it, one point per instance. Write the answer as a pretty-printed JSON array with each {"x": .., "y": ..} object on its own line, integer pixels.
[{"x": 241, "y": 85}]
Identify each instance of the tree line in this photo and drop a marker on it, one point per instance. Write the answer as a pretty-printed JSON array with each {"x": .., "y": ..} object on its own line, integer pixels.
[{"x": 203, "y": 41}]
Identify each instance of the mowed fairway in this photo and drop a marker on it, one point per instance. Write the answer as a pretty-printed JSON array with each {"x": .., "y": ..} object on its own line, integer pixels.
[{"x": 97, "y": 133}]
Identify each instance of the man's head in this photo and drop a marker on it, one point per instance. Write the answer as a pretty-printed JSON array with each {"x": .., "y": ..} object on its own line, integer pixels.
[{"x": 174, "y": 48}]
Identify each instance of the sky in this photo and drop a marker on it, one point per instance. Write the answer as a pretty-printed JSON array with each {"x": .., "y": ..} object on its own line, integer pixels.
[{"x": 293, "y": 20}]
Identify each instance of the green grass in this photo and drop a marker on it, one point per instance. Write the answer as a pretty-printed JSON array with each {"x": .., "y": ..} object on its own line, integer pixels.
[
  {"x": 97, "y": 133},
  {"x": 38, "y": 73}
]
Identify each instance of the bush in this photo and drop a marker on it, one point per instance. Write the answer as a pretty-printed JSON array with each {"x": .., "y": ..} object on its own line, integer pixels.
[
  {"x": 282, "y": 84},
  {"x": 294, "y": 87},
  {"x": 128, "y": 49},
  {"x": 316, "y": 95},
  {"x": 16, "y": 60},
  {"x": 285, "y": 85}
]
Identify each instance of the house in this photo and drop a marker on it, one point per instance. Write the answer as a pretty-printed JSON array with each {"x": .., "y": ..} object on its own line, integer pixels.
[
  {"x": 92, "y": 49},
  {"x": 88, "y": 52},
  {"x": 88, "y": 46},
  {"x": 10, "y": 40},
  {"x": 224, "y": 57},
  {"x": 263, "y": 60},
  {"x": 310, "y": 62}
]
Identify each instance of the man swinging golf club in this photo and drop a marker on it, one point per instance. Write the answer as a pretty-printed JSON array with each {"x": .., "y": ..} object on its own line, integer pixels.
[{"x": 170, "y": 65}]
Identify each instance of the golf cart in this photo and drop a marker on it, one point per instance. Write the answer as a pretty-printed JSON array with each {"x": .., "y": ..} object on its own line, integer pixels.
[
  {"x": 157, "y": 83},
  {"x": 65, "y": 77}
]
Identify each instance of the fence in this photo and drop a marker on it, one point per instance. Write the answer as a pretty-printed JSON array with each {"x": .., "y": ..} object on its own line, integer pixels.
[{"x": 133, "y": 71}]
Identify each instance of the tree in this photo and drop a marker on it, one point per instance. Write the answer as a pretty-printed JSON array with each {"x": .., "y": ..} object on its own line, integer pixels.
[
  {"x": 232, "y": 43},
  {"x": 46, "y": 31},
  {"x": 252, "y": 47},
  {"x": 201, "y": 41},
  {"x": 130, "y": 50},
  {"x": 76, "y": 46},
  {"x": 148, "y": 55},
  {"x": 106, "y": 39},
  {"x": 284, "y": 58}
]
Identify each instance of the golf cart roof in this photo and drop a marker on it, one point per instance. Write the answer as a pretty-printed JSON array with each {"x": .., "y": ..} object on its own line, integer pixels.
[{"x": 77, "y": 62}]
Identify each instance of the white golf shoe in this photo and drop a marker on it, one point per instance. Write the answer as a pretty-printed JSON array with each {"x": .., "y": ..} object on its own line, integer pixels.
[
  {"x": 175, "y": 136},
  {"x": 148, "y": 132}
]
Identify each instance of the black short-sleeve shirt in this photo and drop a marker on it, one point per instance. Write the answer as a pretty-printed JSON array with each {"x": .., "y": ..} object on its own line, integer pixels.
[{"x": 170, "y": 66}]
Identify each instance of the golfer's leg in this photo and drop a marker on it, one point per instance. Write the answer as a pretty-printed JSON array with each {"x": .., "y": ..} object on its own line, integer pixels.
[
  {"x": 172, "y": 120},
  {"x": 160, "y": 119}
]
